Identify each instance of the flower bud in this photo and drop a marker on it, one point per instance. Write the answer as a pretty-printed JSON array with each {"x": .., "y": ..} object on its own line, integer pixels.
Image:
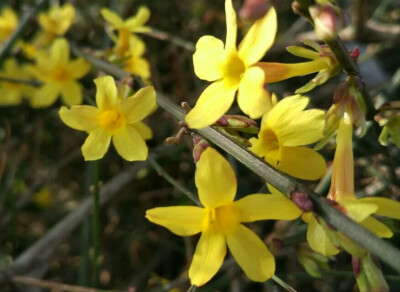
[
  {"x": 368, "y": 274},
  {"x": 328, "y": 20},
  {"x": 238, "y": 123},
  {"x": 199, "y": 145},
  {"x": 301, "y": 200},
  {"x": 347, "y": 94},
  {"x": 254, "y": 9},
  {"x": 389, "y": 118},
  {"x": 313, "y": 262}
]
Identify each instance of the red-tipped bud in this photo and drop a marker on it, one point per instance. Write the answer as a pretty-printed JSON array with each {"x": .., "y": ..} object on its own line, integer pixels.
[
  {"x": 327, "y": 20},
  {"x": 356, "y": 263},
  {"x": 301, "y": 200},
  {"x": 254, "y": 9},
  {"x": 199, "y": 145},
  {"x": 355, "y": 53}
]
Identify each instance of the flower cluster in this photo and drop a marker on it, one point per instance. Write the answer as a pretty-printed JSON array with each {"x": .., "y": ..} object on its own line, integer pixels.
[
  {"x": 287, "y": 138},
  {"x": 129, "y": 48}
]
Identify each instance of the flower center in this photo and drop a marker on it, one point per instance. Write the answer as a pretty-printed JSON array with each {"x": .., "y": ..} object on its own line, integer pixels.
[
  {"x": 271, "y": 146},
  {"x": 62, "y": 75},
  {"x": 233, "y": 70},
  {"x": 223, "y": 219},
  {"x": 269, "y": 140},
  {"x": 111, "y": 120}
]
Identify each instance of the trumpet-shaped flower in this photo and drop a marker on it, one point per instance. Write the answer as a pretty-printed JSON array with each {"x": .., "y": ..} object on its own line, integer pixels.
[
  {"x": 232, "y": 70},
  {"x": 8, "y": 23},
  {"x": 134, "y": 61},
  {"x": 134, "y": 24},
  {"x": 285, "y": 129},
  {"x": 323, "y": 62},
  {"x": 59, "y": 75},
  {"x": 12, "y": 93},
  {"x": 57, "y": 20},
  {"x": 54, "y": 23},
  {"x": 220, "y": 222},
  {"x": 342, "y": 192},
  {"x": 116, "y": 119}
]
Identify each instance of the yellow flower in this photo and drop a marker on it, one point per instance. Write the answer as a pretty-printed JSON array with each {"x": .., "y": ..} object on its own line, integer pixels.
[
  {"x": 284, "y": 131},
  {"x": 134, "y": 62},
  {"x": 59, "y": 75},
  {"x": 232, "y": 70},
  {"x": 323, "y": 62},
  {"x": 57, "y": 20},
  {"x": 8, "y": 23},
  {"x": 134, "y": 24},
  {"x": 220, "y": 222},
  {"x": 11, "y": 93},
  {"x": 114, "y": 118},
  {"x": 342, "y": 192}
]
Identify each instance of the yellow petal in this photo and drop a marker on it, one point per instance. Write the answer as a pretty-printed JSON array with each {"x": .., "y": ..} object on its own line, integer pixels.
[
  {"x": 317, "y": 238},
  {"x": 258, "y": 147},
  {"x": 106, "y": 95},
  {"x": 78, "y": 68},
  {"x": 136, "y": 107},
  {"x": 275, "y": 72},
  {"x": 60, "y": 52},
  {"x": 96, "y": 144},
  {"x": 72, "y": 93},
  {"x": 259, "y": 38},
  {"x": 386, "y": 207},
  {"x": 135, "y": 23},
  {"x": 45, "y": 95},
  {"x": 138, "y": 66},
  {"x": 81, "y": 117},
  {"x": 287, "y": 106},
  {"x": 137, "y": 47},
  {"x": 301, "y": 162},
  {"x": 253, "y": 99},
  {"x": 112, "y": 18},
  {"x": 181, "y": 220},
  {"x": 376, "y": 227},
  {"x": 301, "y": 128},
  {"x": 208, "y": 257},
  {"x": 251, "y": 254},
  {"x": 130, "y": 144},
  {"x": 357, "y": 210},
  {"x": 214, "y": 102},
  {"x": 208, "y": 58},
  {"x": 215, "y": 179},
  {"x": 231, "y": 27},
  {"x": 263, "y": 207},
  {"x": 144, "y": 130},
  {"x": 10, "y": 97}
]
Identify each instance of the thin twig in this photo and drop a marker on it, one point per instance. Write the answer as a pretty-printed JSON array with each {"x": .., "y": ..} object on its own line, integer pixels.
[
  {"x": 21, "y": 81},
  {"x": 283, "y": 284},
  {"x": 164, "y": 36},
  {"x": 55, "y": 286},
  {"x": 161, "y": 171}
]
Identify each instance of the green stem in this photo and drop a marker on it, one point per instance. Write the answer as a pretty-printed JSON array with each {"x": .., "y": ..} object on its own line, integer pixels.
[
  {"x": 24, "y": 20},
  {"x": 172, "y": 181},
  {"x": 192, "y": 288},
  {"x": 21, "y": 81},
  {"x": 164, "y": 36},
  {"x": 94, "y": 167},
  {"x": 283, "y": 284},
  {"x": 279, "y": 180}
]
